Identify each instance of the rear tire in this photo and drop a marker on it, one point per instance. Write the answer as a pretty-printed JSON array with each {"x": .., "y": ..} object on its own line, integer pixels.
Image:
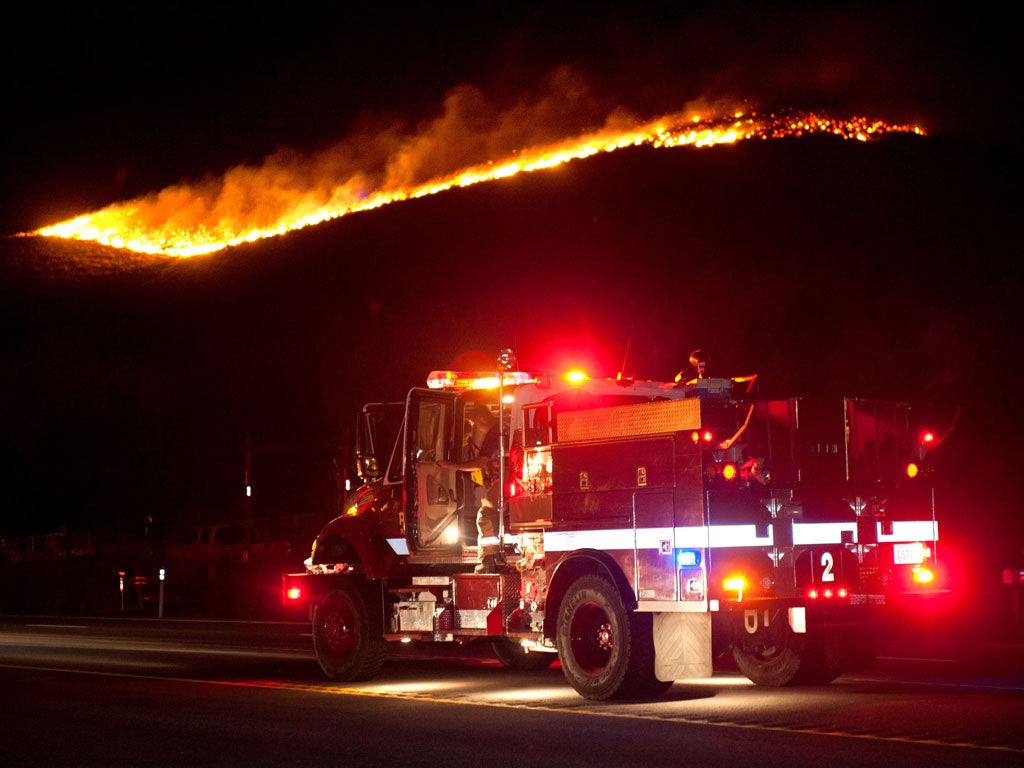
[
  {"x": 606, "y": 650},
  {"x": 776, "y": 656},
  {"x": 512, "y": 655},
  {"x": 347, "y": 637}
]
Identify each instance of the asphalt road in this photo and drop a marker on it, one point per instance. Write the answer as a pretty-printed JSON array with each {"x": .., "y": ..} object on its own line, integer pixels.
[{"x": 82, "y": 692}]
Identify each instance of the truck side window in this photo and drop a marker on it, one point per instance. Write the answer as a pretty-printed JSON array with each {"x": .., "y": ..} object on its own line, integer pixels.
[
  {"x": 429, "y": 431},
  {"x": 230, "y": 534},
  {"x": 537, "y": 423},
  {"x": 537, "y": 438}
]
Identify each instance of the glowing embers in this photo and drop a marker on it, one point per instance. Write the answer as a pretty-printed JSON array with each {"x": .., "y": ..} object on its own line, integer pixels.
[{"x": 291, "y": 192}]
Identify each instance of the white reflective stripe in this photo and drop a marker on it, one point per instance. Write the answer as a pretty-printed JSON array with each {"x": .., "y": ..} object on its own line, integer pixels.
[
  {"x": 822, "y": 533},
  {"x": 401, "y": 546},
  {"x": 651, "y": 538},
  {"x": 610, "y": 538},
  {"x": 692, "y": 537},
  {"x": 721, "y": 536},
  {"x": 912, "y": 530},
  {"x": 737, "y": 536},
  {"x": 487, "y": 541}
]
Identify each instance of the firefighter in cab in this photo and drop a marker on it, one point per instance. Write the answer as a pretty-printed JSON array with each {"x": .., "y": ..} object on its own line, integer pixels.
[{"x": 485, "y": 448}]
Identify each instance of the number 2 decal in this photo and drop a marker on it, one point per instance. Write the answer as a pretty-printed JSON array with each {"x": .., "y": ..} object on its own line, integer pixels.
[{"x": 827, "y": 563}]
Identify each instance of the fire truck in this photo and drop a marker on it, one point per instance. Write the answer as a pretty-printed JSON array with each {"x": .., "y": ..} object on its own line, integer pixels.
[{"x": 649, "y": 528}]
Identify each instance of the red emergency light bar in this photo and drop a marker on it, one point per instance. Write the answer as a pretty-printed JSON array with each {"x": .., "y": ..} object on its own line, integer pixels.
[{"x": 479, "y": 380}]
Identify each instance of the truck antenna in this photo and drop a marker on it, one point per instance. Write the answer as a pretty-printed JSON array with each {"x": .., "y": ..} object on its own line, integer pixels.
[{"x": 625, "y": 358}]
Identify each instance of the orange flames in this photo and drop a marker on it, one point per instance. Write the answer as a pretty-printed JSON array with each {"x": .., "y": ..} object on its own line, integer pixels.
[{"x": 290, "y": 192}]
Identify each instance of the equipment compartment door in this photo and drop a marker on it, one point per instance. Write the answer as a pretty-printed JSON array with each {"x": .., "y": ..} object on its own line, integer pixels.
[{"x": 655, "y": 546}]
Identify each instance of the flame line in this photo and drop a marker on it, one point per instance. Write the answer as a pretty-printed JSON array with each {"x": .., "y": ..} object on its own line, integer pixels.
[{"x": 135, "y": 225}]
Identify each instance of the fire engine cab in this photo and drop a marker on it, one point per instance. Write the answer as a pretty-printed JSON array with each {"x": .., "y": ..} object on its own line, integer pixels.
[{"x": 649, "y": 528}]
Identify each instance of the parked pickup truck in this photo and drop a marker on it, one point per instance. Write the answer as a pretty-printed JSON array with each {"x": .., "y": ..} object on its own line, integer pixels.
[{"x": 206, "y": 552}]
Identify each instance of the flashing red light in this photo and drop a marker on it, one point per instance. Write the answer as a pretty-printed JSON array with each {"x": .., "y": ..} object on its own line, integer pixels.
[
  {"x": 927, "y": 438},
  {"x": 707, "y": 437},
  {"x": 828, "y": 593},
  {"x": 294, "y": 593}
]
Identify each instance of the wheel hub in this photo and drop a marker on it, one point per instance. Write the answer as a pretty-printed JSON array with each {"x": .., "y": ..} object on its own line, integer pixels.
[
  {"x": 592, "y": 638},
  {"x": 337, "y": 632}
]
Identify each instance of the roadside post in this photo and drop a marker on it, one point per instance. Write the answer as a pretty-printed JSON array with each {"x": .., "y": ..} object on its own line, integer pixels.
[{"x": 1014, "y": 578}]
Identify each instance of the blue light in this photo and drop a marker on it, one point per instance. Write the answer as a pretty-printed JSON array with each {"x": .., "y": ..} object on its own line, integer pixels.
[{"x": 687, "y": 558}]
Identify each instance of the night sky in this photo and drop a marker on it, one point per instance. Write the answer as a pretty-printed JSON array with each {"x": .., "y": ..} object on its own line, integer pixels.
[{"x": 130, "y": 383}]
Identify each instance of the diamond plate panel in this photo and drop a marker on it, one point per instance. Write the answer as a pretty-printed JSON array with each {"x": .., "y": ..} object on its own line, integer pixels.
[{"x": 635, "y": 420}]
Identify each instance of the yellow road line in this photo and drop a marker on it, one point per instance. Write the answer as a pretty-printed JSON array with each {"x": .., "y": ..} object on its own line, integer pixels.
[{"x": 336, "y": 690}]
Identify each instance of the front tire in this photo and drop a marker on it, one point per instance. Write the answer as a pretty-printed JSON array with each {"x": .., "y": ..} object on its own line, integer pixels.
[
  {"x": 347, "y": 637},
  {"x": 606, "y": 650},
  {"x": 513, "y": 656}
]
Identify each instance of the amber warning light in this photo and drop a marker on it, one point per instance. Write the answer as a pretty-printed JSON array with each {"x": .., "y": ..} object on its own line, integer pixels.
[
  {"x": 459, "y": 380},
  {"x": 923, "y": 575},
  {"x": 290, "y": 191}
]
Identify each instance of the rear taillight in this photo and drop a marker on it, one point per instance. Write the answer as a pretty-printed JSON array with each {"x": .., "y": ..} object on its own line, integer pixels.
[
  {"x": 828, "y": 593},
  {"x": 291, "y": 590},
  {"x": 722, "y": 471}
]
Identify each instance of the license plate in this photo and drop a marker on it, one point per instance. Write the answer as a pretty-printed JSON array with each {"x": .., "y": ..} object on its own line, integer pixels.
[{"x": 909, "y": 554}]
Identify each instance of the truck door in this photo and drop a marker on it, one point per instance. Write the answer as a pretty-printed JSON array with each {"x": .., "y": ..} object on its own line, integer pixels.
[{"x": 431, "y": 498}]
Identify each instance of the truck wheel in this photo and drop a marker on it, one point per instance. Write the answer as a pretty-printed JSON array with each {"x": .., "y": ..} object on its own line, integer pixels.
[
  {"x": 512, "y": 655},
  {"x": 606, "y": 651},
  {"x": 776, "y": 656},
  {"x": 347, "y": 638}
]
